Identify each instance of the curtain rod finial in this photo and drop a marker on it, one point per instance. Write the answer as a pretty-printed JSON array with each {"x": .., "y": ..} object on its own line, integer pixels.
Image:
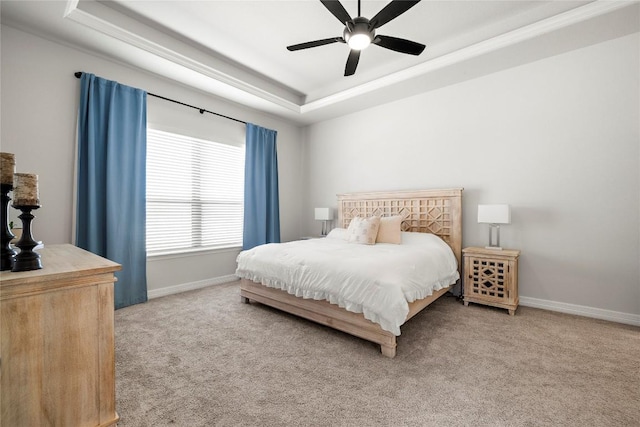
[{"x": 78, "y": 74}]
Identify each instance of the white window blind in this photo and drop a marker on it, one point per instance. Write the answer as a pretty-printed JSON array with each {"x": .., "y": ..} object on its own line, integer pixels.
[{"x": 195, "y": 192}]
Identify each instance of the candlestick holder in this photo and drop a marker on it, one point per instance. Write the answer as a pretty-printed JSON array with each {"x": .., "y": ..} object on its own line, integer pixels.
[
  {"x": 27, "y": 259},
  {"x": 7, "y": 253}
]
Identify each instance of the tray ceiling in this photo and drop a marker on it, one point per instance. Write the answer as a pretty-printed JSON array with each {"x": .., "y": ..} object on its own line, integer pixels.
[{"x": 237, "y": 49}]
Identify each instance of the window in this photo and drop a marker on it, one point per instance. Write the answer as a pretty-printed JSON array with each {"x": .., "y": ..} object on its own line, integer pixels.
[{"x": 195, "y": 191}]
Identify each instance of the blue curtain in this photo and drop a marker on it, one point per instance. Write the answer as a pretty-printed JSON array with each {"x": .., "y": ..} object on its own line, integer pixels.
[
  {"x": 261, "y": 203},
  {"x": 111, "y": 208}
]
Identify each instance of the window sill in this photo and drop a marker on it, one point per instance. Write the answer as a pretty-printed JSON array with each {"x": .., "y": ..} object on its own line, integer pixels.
[{"x": 184, "y": 253}]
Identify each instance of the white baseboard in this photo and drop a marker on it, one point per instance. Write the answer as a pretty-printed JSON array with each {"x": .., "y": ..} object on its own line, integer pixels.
[
  {"x": 176, "y": 289},
  {"x": 581, "y": 310}
]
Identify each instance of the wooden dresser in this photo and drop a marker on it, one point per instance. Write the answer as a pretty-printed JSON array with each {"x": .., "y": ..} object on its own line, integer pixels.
[{"x": 57, "y": 365}]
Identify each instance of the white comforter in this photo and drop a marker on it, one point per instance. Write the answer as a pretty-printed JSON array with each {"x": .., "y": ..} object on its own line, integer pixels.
[{"x": 376, "y": 280}]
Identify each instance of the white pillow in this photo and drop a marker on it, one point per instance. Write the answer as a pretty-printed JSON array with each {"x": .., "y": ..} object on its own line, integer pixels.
[
  {"x": 338, "y": 233},
  {"x": 364, "y": 230},
  {"x": 389, "y": 231},
  {"x": 414, "y": 238}
]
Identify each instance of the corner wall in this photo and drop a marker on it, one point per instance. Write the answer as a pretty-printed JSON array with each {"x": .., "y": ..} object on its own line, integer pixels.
[{"x": 557, "y": 139}]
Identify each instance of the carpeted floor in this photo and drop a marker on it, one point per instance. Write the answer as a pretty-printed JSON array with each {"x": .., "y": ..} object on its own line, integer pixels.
[{"x": 202, "y": 358}]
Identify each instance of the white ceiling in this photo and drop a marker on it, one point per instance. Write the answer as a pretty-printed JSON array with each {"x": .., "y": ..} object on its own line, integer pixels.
[{"x": 237, "y": 49}]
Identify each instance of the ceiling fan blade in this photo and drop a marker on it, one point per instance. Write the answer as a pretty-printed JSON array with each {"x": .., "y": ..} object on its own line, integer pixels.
[
  {"x": 399, "y": 45},
  {"x": 336, "y": 8},
  {"x": 391, "y": 11},
  {"x": 315, "y": 43},
  {"x": 352, "y": 62}
]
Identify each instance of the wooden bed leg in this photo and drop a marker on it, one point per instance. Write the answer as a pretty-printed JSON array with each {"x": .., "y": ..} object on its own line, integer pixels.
[
  {"x": 244, "y": 299},
  {"x": 388, "y": 351}
]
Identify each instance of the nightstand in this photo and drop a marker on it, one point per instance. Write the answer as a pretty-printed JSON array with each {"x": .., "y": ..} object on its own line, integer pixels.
[{"x": 491, "y": 277}]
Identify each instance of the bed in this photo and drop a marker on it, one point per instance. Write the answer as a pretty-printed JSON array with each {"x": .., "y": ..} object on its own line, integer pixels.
[{"x": 436, "y": 212}]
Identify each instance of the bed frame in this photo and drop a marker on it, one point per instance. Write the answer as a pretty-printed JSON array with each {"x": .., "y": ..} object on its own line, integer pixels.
[{"x": 426, "y": 211}]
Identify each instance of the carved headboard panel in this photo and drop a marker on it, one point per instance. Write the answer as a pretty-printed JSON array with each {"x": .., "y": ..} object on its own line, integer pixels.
[{"x": 425, "y": 211}]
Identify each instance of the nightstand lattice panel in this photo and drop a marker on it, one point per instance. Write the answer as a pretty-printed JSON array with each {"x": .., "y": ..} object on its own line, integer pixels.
[{"x": 488, "y": 278}]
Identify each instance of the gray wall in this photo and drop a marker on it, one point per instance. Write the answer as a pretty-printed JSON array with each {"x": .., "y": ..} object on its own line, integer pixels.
[{"x": 557, "y": 139}]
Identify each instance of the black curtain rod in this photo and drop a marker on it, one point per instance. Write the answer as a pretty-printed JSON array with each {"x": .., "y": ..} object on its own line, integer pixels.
[{"x": 78, "y": 74}]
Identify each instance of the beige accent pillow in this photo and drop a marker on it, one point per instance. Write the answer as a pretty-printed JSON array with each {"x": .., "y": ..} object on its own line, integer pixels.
[
  {"x": 364, "y": 230},
  {"x": 390, "y": 230}
]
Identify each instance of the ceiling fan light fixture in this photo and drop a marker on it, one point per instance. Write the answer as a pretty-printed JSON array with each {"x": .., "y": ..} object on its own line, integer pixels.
[
  {"x": 359, "y": 41},
  {"x": 357, "y": 33}
]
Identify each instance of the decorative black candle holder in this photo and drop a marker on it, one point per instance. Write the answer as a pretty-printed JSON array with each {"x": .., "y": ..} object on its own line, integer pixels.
[
  {"x": 27, "y": 259},
  {"x": 8, "y": 253}
]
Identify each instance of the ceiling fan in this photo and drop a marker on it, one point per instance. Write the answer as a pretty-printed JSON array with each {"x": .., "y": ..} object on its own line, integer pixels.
[{"x": 360, "y": 32}]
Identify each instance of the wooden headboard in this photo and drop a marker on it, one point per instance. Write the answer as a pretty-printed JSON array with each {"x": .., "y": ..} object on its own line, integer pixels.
[{"x": 425, "y": 211}]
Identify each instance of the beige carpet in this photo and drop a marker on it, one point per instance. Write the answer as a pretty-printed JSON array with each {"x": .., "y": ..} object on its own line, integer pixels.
[{"x": 202, "y": 358}]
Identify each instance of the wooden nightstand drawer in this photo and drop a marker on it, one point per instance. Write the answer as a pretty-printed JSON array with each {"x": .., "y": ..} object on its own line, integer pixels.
[{"x": 491, "y": 277}]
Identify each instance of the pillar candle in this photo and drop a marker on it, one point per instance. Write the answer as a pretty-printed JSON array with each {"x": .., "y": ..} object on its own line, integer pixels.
[
  {"x": 25, "y": 190},
  {"x": 7, "y": 167}
]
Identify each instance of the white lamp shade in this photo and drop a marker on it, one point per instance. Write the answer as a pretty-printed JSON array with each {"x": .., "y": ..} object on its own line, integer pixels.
[
  {"x": 324, "y": 214},
  {"x": 494, "y": 214}
]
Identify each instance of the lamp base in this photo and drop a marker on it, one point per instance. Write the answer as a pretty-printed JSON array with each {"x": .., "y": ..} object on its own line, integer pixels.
[
  {"x": 324, "y": 231},
  {"x": 495, "y": 246}
]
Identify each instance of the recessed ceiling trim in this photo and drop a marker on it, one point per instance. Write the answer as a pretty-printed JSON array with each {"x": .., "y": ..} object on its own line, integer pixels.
[
  {"x": 562, "y": 20},
  {"x": 98, "y": 17},
  {"x": 91, "y": 20}
]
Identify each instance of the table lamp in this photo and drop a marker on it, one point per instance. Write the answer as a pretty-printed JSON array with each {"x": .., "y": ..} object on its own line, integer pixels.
[
  {"x": 324, "y": 215},
  {"x": 494, "y": 215}
]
